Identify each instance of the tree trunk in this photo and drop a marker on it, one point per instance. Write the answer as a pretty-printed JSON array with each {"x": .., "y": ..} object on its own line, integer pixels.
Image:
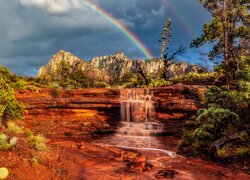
[
  {"x": 225, "y": 34},
  {"x": 218, "y": 144},
  {"x": 140, "y": 71}
]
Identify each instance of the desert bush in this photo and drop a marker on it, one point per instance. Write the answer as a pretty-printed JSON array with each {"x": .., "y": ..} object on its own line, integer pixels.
[
  {"x": 19, "y": 84},
  {"x": 38, "y": 142},
  {"x": 194, "y": 77},
  {"x": 28, "y": 132},
  {"x": 55, "y": 93},
  {"x": 160, "y": 83},
  {"x": 5, "y": 143},
  {"x": 67, "y": 77},
  {"x": 14, "y": 128},
  {"x": 10, "y": 108}
]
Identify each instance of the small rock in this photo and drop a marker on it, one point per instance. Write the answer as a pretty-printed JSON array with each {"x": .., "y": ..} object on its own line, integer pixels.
[
  {"x": 166, "y": 173},
  {"x": 189, "y": 162}
]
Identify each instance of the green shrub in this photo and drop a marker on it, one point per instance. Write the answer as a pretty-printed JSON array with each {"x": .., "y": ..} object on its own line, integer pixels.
[
  {"x": 233, "y": 150},
  {"x": 5, "y": 143},
  {"x": 212, "y": 123},
  {"x": 244, "y": 86},
  {"x": 10, "y": 108},
  {"x": 100, "y": 85},
  {"x": 194, "y": 77},
  {"x": 55, "y": 93},
  {"x": 160, "y": 83},
  {"x": 235, "y": 101},
  {"x": 243, "y": 74},
  {"x": 28, "y": 132},
  {"x": 20, "y": 84},
  {"x": 130, "y": 85},
  {"x": 38, "y": 142},
  {"x": 14, "y": 128}
]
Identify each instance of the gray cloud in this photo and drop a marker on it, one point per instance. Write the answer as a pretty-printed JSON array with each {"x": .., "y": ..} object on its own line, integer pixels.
[{"x": 33, "y": 30}]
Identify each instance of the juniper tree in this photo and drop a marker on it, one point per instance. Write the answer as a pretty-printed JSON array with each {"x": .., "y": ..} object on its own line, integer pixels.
[{"x": 10, "y": 108}]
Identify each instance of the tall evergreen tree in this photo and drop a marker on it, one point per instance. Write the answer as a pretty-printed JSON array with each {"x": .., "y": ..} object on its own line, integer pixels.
[{"x": 228, "y": 32}]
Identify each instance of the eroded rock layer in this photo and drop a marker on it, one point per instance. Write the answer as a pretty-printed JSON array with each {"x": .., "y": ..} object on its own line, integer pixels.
[{"x": 85, "y": 110}]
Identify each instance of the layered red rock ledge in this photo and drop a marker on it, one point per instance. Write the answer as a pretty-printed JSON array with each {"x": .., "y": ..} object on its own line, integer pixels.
[{"x": 70, "y": 110}]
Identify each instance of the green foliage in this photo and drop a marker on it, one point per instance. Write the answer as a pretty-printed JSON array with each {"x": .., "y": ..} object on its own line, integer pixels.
[
  {"x": 227, "y": 117},
  {"x": 198, "y": 78},
  {"x": 5, "y": 143},
  {"x": 7, "y": 75},
  {"x": 10, "y": 108},
  {"x": 28, "y": 132},
  {"x": 100, "y": 85},
  {"x": 14, "y": 128},
  {"x": 166, "y": 36},
  {"x": 132, "y": 80},
  {"x": 55, "y": 93},
  {"x": 212, "y": 123},
  {"x": 38, "y": 142},
  {"x": 239, "y": 148},
  {"x": 244, "y": 86},
  {"x": 228, "y": 33},
  {"x": 230, "y": 151},
  {"x": 19, "y": 84},
  {"x": 160, "y": 83},
  {"x": 236, "y": 101},
  {"x": 66, "y": 77}
]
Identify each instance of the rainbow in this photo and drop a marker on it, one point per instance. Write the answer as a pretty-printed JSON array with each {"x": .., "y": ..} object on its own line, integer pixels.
[
  {"x": 177, "y": 14},
  {"x": 119, "y": 26}
]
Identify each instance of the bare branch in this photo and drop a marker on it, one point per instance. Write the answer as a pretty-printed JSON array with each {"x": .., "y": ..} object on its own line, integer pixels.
[{"x": 179, "y": 51}]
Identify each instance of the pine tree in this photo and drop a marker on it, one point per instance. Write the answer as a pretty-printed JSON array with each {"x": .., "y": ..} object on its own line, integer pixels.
[{"x": 228, "y": 32}]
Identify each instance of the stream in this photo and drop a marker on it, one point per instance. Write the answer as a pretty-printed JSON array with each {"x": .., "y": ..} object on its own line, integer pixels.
[{"x": 139, "y": 130}]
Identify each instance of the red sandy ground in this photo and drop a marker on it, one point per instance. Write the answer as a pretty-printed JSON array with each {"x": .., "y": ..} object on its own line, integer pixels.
[
  {"x": 67, "y": 121},
  {"x": 74, "y": 160}
]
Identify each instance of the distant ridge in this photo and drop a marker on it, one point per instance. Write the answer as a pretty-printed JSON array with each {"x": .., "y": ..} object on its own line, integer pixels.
[{"x": 116, "y": 65}]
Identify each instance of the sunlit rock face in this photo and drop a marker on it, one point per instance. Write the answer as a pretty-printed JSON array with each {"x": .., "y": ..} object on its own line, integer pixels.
[
  {"x": 107, "y": 67},
  {"x": 86, "y": 110},
  {"x": 59, "y": 57}
]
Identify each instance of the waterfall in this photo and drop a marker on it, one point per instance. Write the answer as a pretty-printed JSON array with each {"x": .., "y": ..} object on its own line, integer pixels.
[{"x": 138, "y": 113}]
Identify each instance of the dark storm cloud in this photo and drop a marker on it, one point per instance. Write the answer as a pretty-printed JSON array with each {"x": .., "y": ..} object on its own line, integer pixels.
[{"x": 31, "y": 31}]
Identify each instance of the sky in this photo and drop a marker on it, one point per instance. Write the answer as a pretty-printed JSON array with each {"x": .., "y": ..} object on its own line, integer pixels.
[{"x": 31, "y": 31}]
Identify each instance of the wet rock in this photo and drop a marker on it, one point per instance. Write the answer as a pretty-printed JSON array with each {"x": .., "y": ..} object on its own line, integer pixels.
[{"x": 139, "y": 164}]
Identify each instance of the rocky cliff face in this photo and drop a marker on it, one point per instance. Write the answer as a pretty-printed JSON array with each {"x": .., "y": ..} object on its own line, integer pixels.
[
  {"x": 116, "y": 65},
  {"x": 59, "y": 57},
  {"x": 85, "y": 110}
]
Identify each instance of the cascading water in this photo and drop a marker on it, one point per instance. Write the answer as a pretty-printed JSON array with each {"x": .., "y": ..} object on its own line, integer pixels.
[
  {"x": 139, "y": 127},
  {"x": 138, "y": 116}
]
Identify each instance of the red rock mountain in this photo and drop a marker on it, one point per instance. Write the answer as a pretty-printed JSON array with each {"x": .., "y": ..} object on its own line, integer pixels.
[{"x": 116, "y": 65}]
